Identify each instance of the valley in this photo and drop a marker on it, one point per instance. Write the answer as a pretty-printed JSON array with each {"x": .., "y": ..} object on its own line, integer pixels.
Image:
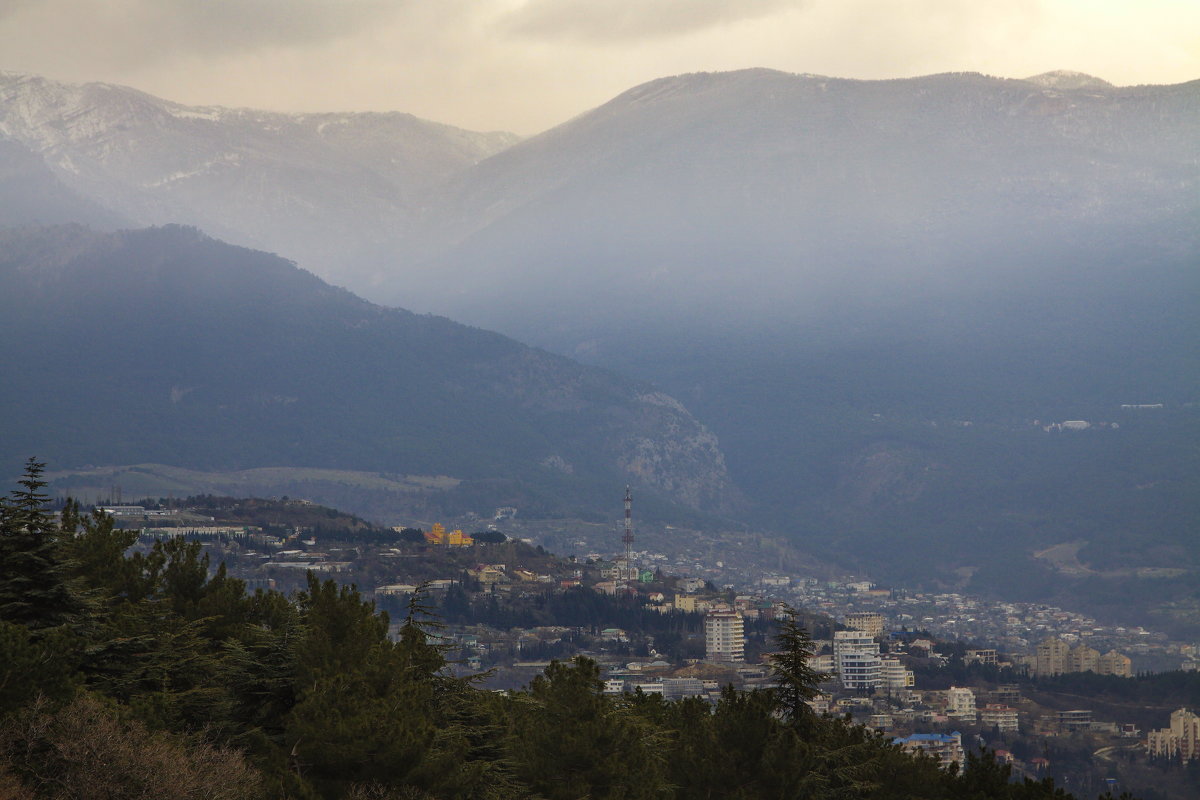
[{"x": 860, "y": 318}]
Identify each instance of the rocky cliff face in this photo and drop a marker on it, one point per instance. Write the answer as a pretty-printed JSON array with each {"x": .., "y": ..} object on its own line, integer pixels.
[
  {"x": 673, "y": 452},
  {"x": 646, "y": 436}
]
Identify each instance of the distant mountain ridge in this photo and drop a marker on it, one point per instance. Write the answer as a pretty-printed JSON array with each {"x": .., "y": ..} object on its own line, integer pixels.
[
  {"x": 30, "y": 194},
  {"x": 330, "y": 189},
  {"x": 1068, "y": 79},
  {"x": 166, "y": 345},
  {"x": 628, "y": 202},
  {"x": 763, "y": 193}
]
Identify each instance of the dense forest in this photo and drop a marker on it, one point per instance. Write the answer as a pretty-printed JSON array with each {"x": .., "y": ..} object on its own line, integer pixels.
[{"x": 151, "y": 674}]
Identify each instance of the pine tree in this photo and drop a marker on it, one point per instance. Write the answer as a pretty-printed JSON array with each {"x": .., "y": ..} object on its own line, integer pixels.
[
  {"x": 798, "y": 681},
  {"x": 567, "y": 740},
  {"x": 34, "y": 589},
  {"x": 93, "y": 549},
  {"x": 419, "y": 626},
  {"x": 365, "y": 707}
]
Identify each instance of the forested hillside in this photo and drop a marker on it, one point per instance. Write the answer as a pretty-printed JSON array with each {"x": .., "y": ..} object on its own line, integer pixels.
[{"x": 198, "y": 354}]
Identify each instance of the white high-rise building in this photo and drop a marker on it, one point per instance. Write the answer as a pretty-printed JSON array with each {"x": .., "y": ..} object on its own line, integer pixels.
[
  {"x": 853, "y": 641},
  {"x": 724, "y": 636},
  {"x": 1181, "y": 740},
  {"x": 960, "y": 703},
  {"x": 861, "y": 671},
  {"x": 856, "y": 654},
  {"x": 894, "y": 674}
]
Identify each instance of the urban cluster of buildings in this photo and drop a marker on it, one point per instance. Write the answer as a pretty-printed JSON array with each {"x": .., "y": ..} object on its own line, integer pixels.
[
  {"x": 873, "y": 683},
  {"x": 1055, "y": 657},
  {"x": 857, "y": 662},
  {"x": 1016, "y": 628}
]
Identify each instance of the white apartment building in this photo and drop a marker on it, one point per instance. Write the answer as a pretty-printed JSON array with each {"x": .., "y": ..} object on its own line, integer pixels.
[
  {"x": 853, "y": 641},
  {"x": 724, "y": 636},
  {"x": 650, "y": 687},
  {"x": 960, "y": 703},
  {"x": 1000, "y": 716},
  {"x": 1181, "y": 740},
  {"x": 894, "y": 675},
  {"x": 823, "y": 663},
  {"x": 945, "y": 747},
  {"x": 987, "y": 657},
  {"x": 856, "y": 655},
  {"x": 861, "y": 671}
]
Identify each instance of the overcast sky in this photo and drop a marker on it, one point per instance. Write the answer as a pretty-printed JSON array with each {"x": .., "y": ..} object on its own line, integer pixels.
[{"x": 525, "y": 65}]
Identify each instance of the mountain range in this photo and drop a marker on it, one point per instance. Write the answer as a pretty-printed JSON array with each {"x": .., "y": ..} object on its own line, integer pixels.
[
  {"x": 764, "y": 197},
  {"x": 330, "y": 190},
  {"x": 164, "y": 345},
  {"x": 883, "y": 298}
]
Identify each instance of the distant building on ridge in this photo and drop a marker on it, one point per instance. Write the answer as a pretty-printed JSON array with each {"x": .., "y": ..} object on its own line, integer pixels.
[
  {"x": 455, "y": 538},
  {"x": 1055, "y": 657}
]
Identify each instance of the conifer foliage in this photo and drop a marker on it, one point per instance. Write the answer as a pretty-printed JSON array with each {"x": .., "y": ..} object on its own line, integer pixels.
[
  {"x": 33, "y": 584},
  {"x": 798, "y": 681},
  {"x": 138, "y": 673}
]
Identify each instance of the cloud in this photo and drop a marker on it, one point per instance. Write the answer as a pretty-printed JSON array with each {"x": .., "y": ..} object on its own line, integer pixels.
[
  {"x": 215, "y": 26},
  {"x": 527, "y": 64},
  {"x": 128, "y": 32},
  {"x": 10, "y": 7},
  {"x": 632, "y": 20}
]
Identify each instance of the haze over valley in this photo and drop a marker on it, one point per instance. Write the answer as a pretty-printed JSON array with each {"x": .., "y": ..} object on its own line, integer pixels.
[{"x": 859, "y": 308}]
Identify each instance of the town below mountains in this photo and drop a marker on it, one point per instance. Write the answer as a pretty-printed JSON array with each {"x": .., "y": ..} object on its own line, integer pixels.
[
  {"x": 1051, "y": 692},
  {"x": 920, "y": 351}
]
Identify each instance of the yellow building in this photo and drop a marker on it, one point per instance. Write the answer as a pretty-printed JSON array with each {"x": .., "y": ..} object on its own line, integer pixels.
[
  {"x": 1114, "y": 663},
  {"x": 867, "y": 622},
  {"x": 1181, "y": 740},
  {"x": 1051, "y": 657},
  {"x": 1083, "y": 659},
  {"x": 488, "y": 574},
  {"x": 455, "y": 538},
  {"x": 1055, "y": 658}
]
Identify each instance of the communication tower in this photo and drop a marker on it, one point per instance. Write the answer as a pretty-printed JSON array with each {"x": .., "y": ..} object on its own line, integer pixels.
[{"x": 627, "y": 537}]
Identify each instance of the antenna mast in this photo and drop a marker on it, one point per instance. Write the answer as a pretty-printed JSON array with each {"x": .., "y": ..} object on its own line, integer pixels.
[{"x": 627, "y": 538}]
